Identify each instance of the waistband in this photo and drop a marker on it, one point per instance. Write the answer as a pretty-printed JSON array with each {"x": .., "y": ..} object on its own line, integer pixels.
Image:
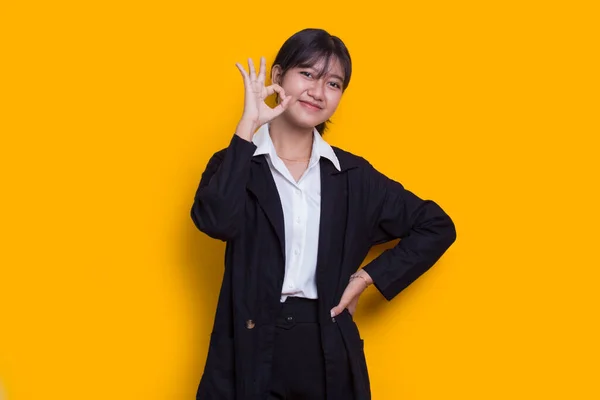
[{"x": 298, "y": 310}]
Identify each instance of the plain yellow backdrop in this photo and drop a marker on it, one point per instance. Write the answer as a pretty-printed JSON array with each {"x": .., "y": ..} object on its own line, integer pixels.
[{"x": 110, "y": 111}]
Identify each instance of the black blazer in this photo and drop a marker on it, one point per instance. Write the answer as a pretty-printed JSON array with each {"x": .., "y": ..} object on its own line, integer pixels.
[{"x": 237, "y": 202}]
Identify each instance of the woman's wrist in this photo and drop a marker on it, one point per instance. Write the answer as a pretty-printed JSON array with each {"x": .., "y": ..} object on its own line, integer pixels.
[
  {"x": 246, "y": 128},
  {"x": 364, "y": 276}
]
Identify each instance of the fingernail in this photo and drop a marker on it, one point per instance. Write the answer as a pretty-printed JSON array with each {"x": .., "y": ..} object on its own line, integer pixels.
[{"x": 332, "y": 313}]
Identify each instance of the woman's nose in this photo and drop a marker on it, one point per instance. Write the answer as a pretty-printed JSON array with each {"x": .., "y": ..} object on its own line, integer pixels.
[{"x": 316, "y": 91}]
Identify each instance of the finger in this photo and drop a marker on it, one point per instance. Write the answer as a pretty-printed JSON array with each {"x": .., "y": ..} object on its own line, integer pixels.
[
  {"x": 337, "y": 310},
  {"x": 242, "y": 71},
  {"x": 262, "y": 72},
  {"x": 275, "y": 88},
  {"x": 281, "y": 107},
  {"x": 352, "y": 306},
  {"x": 251, "y": 69},
  {"x": 344, "y": 302},
  {"x": 351, "y": 309},
  {"x": 351, "y": 293},
  {"x": 285, "y": 102}
]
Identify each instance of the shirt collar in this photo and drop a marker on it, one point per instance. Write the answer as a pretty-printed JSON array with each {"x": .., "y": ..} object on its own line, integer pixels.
[{"x": 264, "y": 145}]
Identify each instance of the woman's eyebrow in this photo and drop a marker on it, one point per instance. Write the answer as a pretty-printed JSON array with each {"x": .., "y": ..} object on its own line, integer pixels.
[{"x": 320, "y": 72}]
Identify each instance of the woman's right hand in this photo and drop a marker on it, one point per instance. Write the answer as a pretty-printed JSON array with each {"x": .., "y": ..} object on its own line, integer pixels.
[{"x": 256, "y": 111}]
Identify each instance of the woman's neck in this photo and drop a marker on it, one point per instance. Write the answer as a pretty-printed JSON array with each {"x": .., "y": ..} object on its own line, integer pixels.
[{"x": 290, "y": 141}]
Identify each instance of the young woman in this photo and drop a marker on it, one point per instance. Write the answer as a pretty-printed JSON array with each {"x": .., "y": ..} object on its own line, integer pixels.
[{"x": 299, "y": 217}]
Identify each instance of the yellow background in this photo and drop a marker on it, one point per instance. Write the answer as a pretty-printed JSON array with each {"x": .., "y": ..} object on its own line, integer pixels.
[{"x": 111, "y": 110}]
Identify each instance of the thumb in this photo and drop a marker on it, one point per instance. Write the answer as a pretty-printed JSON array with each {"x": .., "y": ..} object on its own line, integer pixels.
[
  {"x": 337, "y": 310},
  {"x": 283, "y": 104}
]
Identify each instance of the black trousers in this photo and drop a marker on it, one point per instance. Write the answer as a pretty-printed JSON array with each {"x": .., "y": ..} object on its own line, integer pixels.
[{"x": 298, "y": 361}]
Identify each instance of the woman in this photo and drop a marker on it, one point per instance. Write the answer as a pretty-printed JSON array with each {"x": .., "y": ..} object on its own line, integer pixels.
[{"x": 299, "y": 217}]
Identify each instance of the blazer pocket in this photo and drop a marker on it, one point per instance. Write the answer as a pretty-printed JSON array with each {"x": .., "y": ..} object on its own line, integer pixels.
[
  {"x": 221, "y": 361},
  {"x": 355, "y": 348},
  {"x": 218, "y": 379}
]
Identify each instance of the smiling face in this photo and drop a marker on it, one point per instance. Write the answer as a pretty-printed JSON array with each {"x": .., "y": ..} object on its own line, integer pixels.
[{"x": 316, "y": 91}]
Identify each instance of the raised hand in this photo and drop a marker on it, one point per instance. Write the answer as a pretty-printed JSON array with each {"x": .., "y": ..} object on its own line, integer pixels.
[{"x": 256, "y": 111}]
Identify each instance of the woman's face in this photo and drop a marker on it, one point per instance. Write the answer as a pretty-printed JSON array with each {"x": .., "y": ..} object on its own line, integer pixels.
[{"x": 314, "y": 99}]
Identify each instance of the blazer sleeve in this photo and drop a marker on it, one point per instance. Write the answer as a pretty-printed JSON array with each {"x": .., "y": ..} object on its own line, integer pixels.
[
  {"x": 218, "y": 208},
  {"x": 424, "y": 229}
]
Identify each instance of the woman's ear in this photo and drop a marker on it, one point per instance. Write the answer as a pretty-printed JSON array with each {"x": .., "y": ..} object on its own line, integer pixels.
[
  {"x": 276, "y": 79},
  {"x": 276, "y": 74}
]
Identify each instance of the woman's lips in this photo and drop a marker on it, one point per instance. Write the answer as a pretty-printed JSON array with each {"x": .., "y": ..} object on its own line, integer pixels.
[{"x": 309, "y": 106}]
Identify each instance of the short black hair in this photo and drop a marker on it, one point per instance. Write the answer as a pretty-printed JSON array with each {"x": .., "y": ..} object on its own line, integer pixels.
[{"x": 308, "y": 46}]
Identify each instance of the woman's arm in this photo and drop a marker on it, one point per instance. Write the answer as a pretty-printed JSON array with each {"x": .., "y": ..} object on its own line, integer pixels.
[
  {"x": 219, "y": 201},
  {"x": 218, "y": 208},
  {"x": 424, "y": 229},
  {"x": 393, "y": 212}
]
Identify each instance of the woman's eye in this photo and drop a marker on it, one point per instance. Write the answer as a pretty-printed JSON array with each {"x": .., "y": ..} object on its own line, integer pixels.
[
  {"x": 305, "y": 73},
  {"x": 335, "y": 84}
]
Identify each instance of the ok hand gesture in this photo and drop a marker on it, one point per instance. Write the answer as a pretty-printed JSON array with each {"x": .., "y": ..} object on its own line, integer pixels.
[{"x": 256, "y": 111}]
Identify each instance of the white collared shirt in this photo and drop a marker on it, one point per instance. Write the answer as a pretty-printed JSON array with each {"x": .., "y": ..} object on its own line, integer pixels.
[{"x": 301, "y": 202}]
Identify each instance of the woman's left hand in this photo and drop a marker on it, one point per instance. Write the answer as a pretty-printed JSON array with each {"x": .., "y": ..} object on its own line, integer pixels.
[{"x": 358, "y": 283}]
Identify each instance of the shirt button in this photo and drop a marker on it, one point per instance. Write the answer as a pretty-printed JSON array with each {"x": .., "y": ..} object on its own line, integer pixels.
[
  {"x": 298, "y": 192},
  {"x": 296, "y": 252},
  {"x": 298, "y": 220}
]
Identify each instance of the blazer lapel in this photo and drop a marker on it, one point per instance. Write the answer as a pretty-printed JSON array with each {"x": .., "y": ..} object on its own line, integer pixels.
[
  {"x": 262, "y": 185},
  {"x": 331, "y": 224}
]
